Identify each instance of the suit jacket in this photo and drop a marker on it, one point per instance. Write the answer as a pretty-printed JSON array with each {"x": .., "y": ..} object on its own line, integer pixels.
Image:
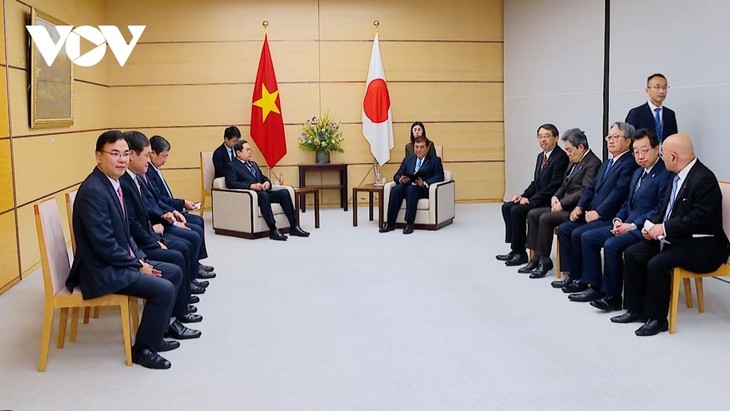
[
  {"x": 221, "y": 160},
  {"x": 643, "y": 117},
  {"x": 238, "y": 175},
  {"x": 139, "y": 222},
  {"x": 155, "y": 206},
  {"x": 153, "y": 177},
  {"x": 431, "y": 166},
  {"x": 577, "y": 178},
  {"x": 548, "y": 179},
  {"x": 102, "y": 263},
  {"x": 607, "y": 193},
  {"x": 645, "y": 203}
]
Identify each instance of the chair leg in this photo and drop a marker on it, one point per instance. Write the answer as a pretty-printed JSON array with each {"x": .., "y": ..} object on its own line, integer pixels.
[
  {"x": 688, "y": 292},
  {"x": 46, "y": 337},
  {"x": 202, "y": 203},
  {"x": 700, "y": 294},
  {"x": 557, "y": 260},
  {"x": 96, "y": 311},
  {"x": 126, "y": 336},
  {"x": 674, "y": 302},
  {"x": 87, "y": 314},
  {"x": 134, "y": 310},
  {"x": 74, "y": 323},
  {"x": 62, "y": 327}
]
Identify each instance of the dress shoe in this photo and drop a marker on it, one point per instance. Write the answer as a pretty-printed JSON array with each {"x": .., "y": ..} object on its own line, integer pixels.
[
  {"x": 205, "y": 275},
  {"x": 518, "y": 259},
  {"x": 530, "y": 267},
  {"x": 148, "y": 358},
  {"x": 408, "y": 229},
  {"x": 561, "y": 283},
  {"x": 167, "y": 346},
  {"x": 275, "y": 234},
  {"x": 180, "y": 332},
  {"x": 194, "y": 289},
  {"x": 193, "y": 299},
  {"x": 190, "y": 318},
  {"x": 652, "y": 327},
  {"x": 609, "y": 302},
  {"x": 199, "y": 283},
  {"x": 575, "y": 287},
  {"x": 586, "y": 296},
  {"x": 208, "y": 268},
  {"x": 506, "y": 257},
  {"x": 628, "y": 317},
  {"x": 192, "y": 309},
  {"x": 542, "y": 270},
  {"x": 386, "y": 228},
  {"x": 298, "y": 232}
]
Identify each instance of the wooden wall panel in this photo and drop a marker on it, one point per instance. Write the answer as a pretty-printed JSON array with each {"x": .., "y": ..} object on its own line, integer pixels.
[
  {"x": 9, "y": 270},
  {"x": 4, "y": 126},
  {"x": 6, "y": 177},
  {"x": 478, "y": 181}
]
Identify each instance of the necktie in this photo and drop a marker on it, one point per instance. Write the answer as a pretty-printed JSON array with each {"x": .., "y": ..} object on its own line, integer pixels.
[
  {"x": 658, "y": 124},
  {"x": 672, "y": 197},
  {"x": 120, "y": 197},
  {"x": 608, "y": 168},
  {"x": 544, "y": 161},
  {"x": 643, "y": 176},
  {"x": 250, "y": 168},
  {"x": 230, "y": 154},
  {"x": 164, "y": 183},
  {"x": 418, "y": 164}
]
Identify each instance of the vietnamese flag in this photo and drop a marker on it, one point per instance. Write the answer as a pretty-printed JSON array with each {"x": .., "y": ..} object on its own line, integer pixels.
[
  {"x": 377, "y": 120},
  {"x": 267, "y": 125}
]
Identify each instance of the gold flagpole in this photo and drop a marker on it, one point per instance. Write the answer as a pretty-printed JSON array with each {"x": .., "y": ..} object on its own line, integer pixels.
[{"x": 378, "y": 176}]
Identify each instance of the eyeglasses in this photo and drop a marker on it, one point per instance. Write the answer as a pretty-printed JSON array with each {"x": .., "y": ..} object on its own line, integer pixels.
[
  {"x": 613, "y": 137},
  {"x": 642, "y": 152},
  {"x": 541, "y": 136},
  {"x": 115, "y": 154},
  {"x": 657, "y": 88}
]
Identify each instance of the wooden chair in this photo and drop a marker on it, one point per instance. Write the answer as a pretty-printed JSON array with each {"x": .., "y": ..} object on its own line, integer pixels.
[
  {"x": 680, "y": 274},
  {"x": 207, "y": 173},
  {"x": 56, "y": 267}
]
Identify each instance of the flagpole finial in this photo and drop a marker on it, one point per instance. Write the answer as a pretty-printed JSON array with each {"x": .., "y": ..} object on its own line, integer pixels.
[
  {"x": 265, "y": 23},
  {"x": 376, "y": 23}
]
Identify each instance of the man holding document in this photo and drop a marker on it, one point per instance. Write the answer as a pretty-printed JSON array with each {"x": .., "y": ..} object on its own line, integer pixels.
[{"x": 415, "y": 174}]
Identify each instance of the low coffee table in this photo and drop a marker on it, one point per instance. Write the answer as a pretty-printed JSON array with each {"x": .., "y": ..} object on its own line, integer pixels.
[
  {"x": 370, "y": 189},
  {"x": 300, "y": 197}
]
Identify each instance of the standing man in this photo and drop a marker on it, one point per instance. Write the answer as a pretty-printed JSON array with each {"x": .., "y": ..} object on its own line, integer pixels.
[
  {"x": 415, "y": 174},
  {"x": 246, "y": 174},
  {"x": 687, "y": 233},
  {"x": 652, "y": 115},
  {"x": 224, "y": 154},
  {"x": 550, "y": 169}
]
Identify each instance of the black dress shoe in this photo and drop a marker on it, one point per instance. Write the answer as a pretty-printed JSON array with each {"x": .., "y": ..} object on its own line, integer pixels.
[
  {"x": 575, "y": 287},
  {"x": 542, "y": 270},
  {"x": 408, "y": 229},
  {"x": 208, "y": 268},
  {"x": 628, "y": 317},
  {"x": 180, "y": 332},
  {"x": 530, "y": 267},
  {"x": 610, "y": 302},
  {"x": 167, "y": 346},
  {"x": 298, "y": 232},
  {"x": 199, "y": 283},
  {"x": 518, "y": 259},
  {"x": 652, "y": 327},
  {"x": 586, "y": 296},
  {"x": 506, "y": 257},
  {"x": 194, "y": 289},
  {"x": 192, "y": 309},
  {"x": 190, "y": 318},
  {"x": 386, "y": 228},
  {"x": 561, "y": 283},
  {"x": 275, "y": 234},
  {"x": 193, "y": 299},
  {"x": 148, "y": 358},
  {"x": 205, "y": 275}
]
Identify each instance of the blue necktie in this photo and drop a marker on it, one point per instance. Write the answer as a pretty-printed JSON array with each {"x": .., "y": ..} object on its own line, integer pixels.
[
  {"x": 418, "y": 164},
  {"x": 672, "y": 197},
  {"x": 608, "y": 168},
  {"x": 658, "y": 124},
  {"x": 250, "y": 168}
]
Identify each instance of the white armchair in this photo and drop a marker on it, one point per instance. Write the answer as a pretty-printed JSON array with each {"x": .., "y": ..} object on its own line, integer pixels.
[
  {"x": 434, "y": 212},
  {"x": 236, "y": 211}
]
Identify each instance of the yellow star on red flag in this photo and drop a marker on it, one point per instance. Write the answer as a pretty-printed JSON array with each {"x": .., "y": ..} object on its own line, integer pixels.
[{"x": 267, "y": 102}]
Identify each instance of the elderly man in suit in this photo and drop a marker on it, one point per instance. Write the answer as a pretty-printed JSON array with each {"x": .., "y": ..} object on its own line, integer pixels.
[
  {"x": 246, "y": 174},
  {"x": 415, "y": 174},
  {"x": 550, "y": 169},
  {"x": 687, "y": 232},
  {"x": 223, "y": 155},
  {"x": 598, "y": 204},
  {"x": 541, "y": 221},
  {"x": 107, "y": 259},
  {"x": 645, "y": 194},
  {"x": 652, "y": 115}
]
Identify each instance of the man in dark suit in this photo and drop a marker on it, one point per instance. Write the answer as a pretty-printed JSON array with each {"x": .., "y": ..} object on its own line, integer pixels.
[
  {"x": 429, "y": 169},
  {"x": 646, "y": 192},
  {"x": 652, "y": 115},
  {"x": 107, "y": 260},
  {"x": 687, "y": 232},
  {"x": 224, "y": 154},
  {"x": 542, "y": 220},
  {"x": 550, "y": 169},
  {"x": 243, "y": 173},
  {"x": 598, "y": 204}
]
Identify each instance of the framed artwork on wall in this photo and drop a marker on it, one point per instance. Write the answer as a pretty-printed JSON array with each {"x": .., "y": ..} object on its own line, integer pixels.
[{"x": 51, "y": 87}]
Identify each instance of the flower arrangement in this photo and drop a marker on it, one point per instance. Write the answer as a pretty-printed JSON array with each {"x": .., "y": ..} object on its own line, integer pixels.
[{"x": 321, "y": 135}]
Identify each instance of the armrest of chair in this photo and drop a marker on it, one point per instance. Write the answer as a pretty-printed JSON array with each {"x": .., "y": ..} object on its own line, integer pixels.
[
  {"x": 442, "y": 198},
  {"x": 386, "y": 192},
  {"x": 233, "y": 209}
]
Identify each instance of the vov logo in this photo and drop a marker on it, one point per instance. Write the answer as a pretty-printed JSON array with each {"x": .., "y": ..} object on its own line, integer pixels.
[{"x": 71, "y": 37}]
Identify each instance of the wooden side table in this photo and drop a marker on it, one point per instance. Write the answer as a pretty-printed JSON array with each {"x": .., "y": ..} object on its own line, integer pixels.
[
  {"x": 342, "y": 186},
  {"x": 300, "y": 198},
  {"x": 370, "y": 189}
]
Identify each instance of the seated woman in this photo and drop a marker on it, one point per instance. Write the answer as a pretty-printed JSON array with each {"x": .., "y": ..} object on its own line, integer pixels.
[{"x": 418, "y": 129}]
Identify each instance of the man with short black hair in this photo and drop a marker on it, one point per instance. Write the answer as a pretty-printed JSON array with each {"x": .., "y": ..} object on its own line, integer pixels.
[
  {"x": 652, "y": 115},
  {"x": 224, "y": 154}
]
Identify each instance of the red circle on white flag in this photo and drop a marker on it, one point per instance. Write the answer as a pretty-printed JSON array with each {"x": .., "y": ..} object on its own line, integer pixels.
[{"x": 377, "y": 101}]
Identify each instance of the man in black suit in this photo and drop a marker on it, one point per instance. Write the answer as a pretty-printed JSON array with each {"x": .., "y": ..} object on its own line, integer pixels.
[
  {"x": 598, "y": 204},
  {"x": 542, "y": 220},
  {"x": 652, "y": 115},
  {"x": 550, "y": 169},
  {"x": 687, "y": 232},
  {"x": 429, "y": 169},
  {"x": 107, "y": 259},
  {"x": 243, "y": 173},
  {"x": 646, "y": 192},
  {"x": 224, "y": 154}
]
